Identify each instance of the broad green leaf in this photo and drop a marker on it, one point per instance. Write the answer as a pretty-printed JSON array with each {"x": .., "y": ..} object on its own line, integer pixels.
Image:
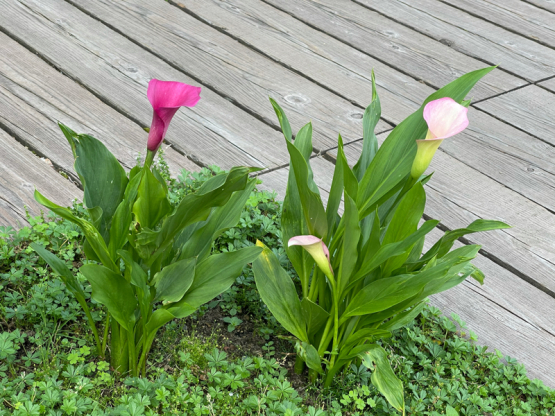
[
  {"x": 383, "y": 377},
  {"x": 283, "y": 121},
  {"x": 277, "y": 290},
  {"x": 119, "y": 228},
  {"x": 152, "y": 204},
  {"x": 370, "y": 119},
  {"x": 103, "y": 179},
  {"x": 311, "y": 202},
  {"x": 310, "y": 356},
  {"x": 334, "y": 199},
  {"x": 91, "y": 233},
  {"x": 444, "y": 244},
  {"x": 113, "y": 291},
  {"x": 403, "y": 224},
  {"x": 315, "y": 316},
  {"x": 394, "y": 158},
  {"x": 349, "y": 179},
  {"x": 364, "y": 334},
  {"x": 215, "y": 275},
  {"x": 199, "y": 243},
  {"x": 351, "y": 235},
  {"x": 173, "y": 281},
  {"x": 449, "y": 411},
  {"x": 403, "y": 318},
  {"x": 197, "y": 206},
  {"x": 60, "y": 267},
  {"x": 391, "y": 250}
]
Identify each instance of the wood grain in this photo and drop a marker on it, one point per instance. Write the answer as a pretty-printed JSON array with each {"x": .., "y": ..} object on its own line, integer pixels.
[
  {"x": 531, "y": 109},
  {"x": 549, "y": 84},
  {"x": 548, "y": 5},
  {"x": 458, "y": 195},
  {"x": 21, "y": 172},
  {"x": 320, "y": 57},
  {"x": 397, "y": 45},
  {"x": 118, "y": 71},
  {"x": 35, "y": 97},
  {"x": 473, "y": 36},
  {"x": 515, "y": 15},
  {"x": 507, "y": 314},
  {"x": 236, "y": 71}
]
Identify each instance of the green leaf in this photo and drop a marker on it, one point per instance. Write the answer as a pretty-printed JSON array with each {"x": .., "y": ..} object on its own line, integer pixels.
[
  {"x": 403, "y": 318},
  {"x": 444, "y": 244},
  {"x": 383, "y": 377},
  {"x": 349, "y": 252},
  {"x": 91, "y": 233},
  {"x": 315, "y": 316},
  {"x": 449, "y": 411},
  {"x": 197, "y": 206},
  {"x": 313, "y": 209},
  {"x": 310, "y": 356},
  {"x": 370, "y": 119},
  {"x": 391, "y": 250},
  {"x": 173, "y": 281},
  {"x": 199, "y": 243},
  {"x": 103, "y": 179},
  {"x": 403, "y": 224},
  {"x": 283, "y": 121},
  {"x": 215, "y": 275},
  {"x": 394, "y": 158},
  {"x": 277, "y": 290},
  {"x": 152, "y": 204},
  {"x": 349, "y": 179},
  {"x": 113, "y": 291}
]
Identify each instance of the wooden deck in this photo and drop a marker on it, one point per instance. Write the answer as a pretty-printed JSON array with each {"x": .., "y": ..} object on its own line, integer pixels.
[{"x": 87, "y": 63}]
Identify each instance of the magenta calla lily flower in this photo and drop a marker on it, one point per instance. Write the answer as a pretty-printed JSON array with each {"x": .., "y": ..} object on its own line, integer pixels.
[
  {"x": 166, "y": 97},
  {"x": 317, "y": 249},
  {"x": 445, "y": 118}
]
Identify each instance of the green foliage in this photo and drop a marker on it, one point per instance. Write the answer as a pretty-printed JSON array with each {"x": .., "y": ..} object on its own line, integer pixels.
[
  {"x": 374, "y": 277},
  {"x": 48, "y": 365},
  {"x": 149, "y": 260}
]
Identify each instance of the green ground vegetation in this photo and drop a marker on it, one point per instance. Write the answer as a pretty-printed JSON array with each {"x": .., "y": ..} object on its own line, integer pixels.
[{"x": 228, "y": 359}]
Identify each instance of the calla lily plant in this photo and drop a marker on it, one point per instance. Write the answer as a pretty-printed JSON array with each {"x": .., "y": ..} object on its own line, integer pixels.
[
  {"x": 363, "y": 272},
  {"x": 148, "y": 262}
]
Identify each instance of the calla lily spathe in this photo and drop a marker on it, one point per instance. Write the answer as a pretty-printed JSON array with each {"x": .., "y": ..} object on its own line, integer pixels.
[
  {"x": 166, "y": 97},
  {"x": 445, "y": 118},
  {"x": 317, "y": 249}
]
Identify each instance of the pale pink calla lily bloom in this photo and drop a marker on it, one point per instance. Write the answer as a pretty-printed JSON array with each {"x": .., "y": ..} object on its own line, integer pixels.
[
  {"x": 445, "y": 118},
  {"x": 166, "y": 97},
  {"x": 317, "y": 249}
]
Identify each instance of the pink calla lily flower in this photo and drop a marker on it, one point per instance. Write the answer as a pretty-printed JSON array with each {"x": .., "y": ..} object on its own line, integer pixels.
[
  {"x": 445, "y": 118},
  {"x": 166, "y": 97},
  {"x": 317, "y": 249}
]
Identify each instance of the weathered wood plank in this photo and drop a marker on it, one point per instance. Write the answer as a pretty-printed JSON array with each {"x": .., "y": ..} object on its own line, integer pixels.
[
  {"x": 318, "y": 56},
  {"x": 458, "y": 195},
  {"x": 506, "y": 312},
  {"x": 531, "y": 109},
  {"x": 548, "y": 5},
  {"x": 236, "y": 71},
  {"x": 118, "y": 71},
  {"x": 525, "y": 162},
  {"x": 20, "y": 173},
  {"x": 515, "y": 15},
  {"x": 471, "y": 35},
  {"x": 35, "y": 97},
  {"x": 399, "y": 46},
  {"x": 549, "y": 84}
]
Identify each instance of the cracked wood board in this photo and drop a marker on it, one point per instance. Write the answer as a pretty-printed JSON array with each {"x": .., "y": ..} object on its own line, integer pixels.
[
  {"x": 531, "y": 109},
  {"x": 473, "y": 36},
  {"x": 397, "y": 45},
  {"x": 117, "y": 70},
  {"x": 20, "y": 173},
  {"x": 236, "y": 71},
  {"x": 35, "y": 97},
  {"x": 548, "y": 5},
  {"x": 549, "y": 84}
]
